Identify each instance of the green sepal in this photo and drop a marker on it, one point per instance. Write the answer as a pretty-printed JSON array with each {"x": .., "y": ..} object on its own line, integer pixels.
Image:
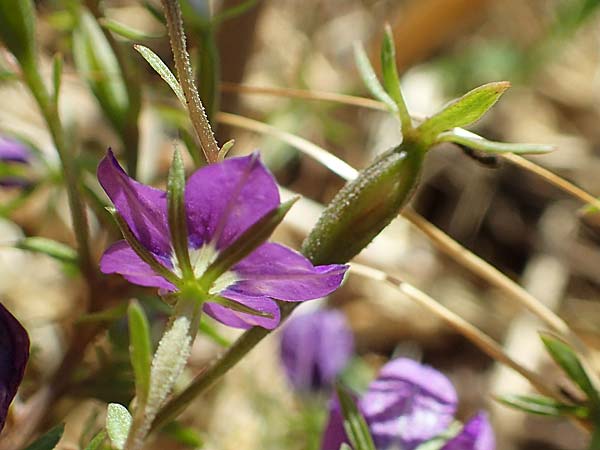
[
  {"x": 125, "y": 31},
  {"x": 177, "y": 217},
  {"x": 365, "y": 69},
  {"x": 235, "y": 306},
  {"x": 97, "y": 441},
  {"x": 49, "y": 247},
  {"x": 354, "y": 423},
  {"x": 246, "y": 243},
  {"x": 471, "y": 140},
  {"x": 17, "y": 30},
  {"x": 118, "y": 422},
  {"x": 161, "y": 68},
  {"x": 57, "y": 68},
  {"x": 140, "y": 351},
  {"x": 391, "y": 80},
  {"x": 95, "y": 59},
  {"x": 463, "y": 111},
  {"x": 568, "y": 360},
  {"x": 543, "y": 406},
  {"x": 142, "y": 252},
  {"x": 48, "y": 440}
]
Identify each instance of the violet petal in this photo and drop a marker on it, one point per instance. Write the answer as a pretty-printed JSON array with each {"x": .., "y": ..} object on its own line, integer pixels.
[
  {"x": 14, "y": 353},
  {"x": 144, "y": 208},
  {"x": 223, "y": 200},
  {"x": 335, "y": 434},
  {"x": 282, "y": 273},
  {"x": 477, "y": 434},
  {"x": 238, "y": 319},
  {"x": 315, "y": 348},
  {"x": 12, "y": 150},
  {"x": 408, "y": 404},
  {"x": 121, "y": 258}
]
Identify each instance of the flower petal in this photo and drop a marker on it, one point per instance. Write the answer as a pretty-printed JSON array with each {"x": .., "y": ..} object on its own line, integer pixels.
[
  {"x": 315, "y": 348},
  {"x": 238, "y": 319},
  {"x": 223, "y": 200},
  {"x": 408, "y": 403},
  {"x": 121, "y": 258},
  {"x": 335, "y": 434},
  {"x": 13, "y": 151},
  {"x": 477, "y": 434},
  {"x": 282, "y": 273},
  {"x": 144, "y": 208},
  {"x": 14, "y": 353}
]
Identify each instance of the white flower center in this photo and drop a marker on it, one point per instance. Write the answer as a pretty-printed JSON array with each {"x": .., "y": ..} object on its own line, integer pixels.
[{"x": 200, "y": 259}]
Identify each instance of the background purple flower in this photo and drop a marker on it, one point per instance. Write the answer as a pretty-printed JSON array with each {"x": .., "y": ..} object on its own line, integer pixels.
[
  {"x": 407, "y": 405},
  {"x": 222, "y": 201},
  {"x": 14, "y": 353},
  {"x": 13, "y": 151},
  {"x": 315, "y": 348}
]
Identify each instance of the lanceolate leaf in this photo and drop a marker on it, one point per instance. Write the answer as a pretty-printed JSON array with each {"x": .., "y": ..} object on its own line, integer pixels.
[
  {"x": 140, "y": 350},
  {"x": 465, "y": 110},
  {"x": 49, "y": 440},
  {"x": 118, "y": 421},
  {"x": 161, "y": 68},
  {"x": 370, "y": 78},
  {"x": 54, "y": 249},
  {"x": 354, "y": 423},
  {"x": 471, "y": 140},
  {"x": 543, "y": 406}
]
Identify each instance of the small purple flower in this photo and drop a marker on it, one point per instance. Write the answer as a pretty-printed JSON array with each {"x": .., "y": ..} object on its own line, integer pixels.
[
  {"x": 14, "y": 152},
  {"x": 315, "y": 348},
  {"x": 407, "y": 405},
  {"x": 14, "y": 353},
  {"x": 221, "y": 201}
]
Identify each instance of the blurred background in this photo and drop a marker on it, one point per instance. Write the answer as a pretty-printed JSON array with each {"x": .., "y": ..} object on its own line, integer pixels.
[{"x": 548, "y": 50}]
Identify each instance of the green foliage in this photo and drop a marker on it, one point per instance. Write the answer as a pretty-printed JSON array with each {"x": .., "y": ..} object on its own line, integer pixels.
[
  {"x": 125, "y": 31},
  {"x": 17, "y": 29},
  {"x": 140, "y": 350},
  {"x": 471, "y": 140},
  {"x": 543, "y": 406},
  {"x": 48, "y": 440},
  {"x": 49, "y": 247},
  {"x": 354, "y": 423},
  {"x": 97, "y": 441},
  {"x": 161, "y": 68},
  {"x": 367, "y": 73},
  {"x": 183, "y": 435},
  {"x": 57, "y": 67},
  {"x": 118, "y": 422}
]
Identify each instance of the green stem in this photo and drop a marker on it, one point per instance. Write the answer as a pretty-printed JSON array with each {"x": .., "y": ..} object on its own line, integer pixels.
[
  {"x": 49, "y": 111},
  {"x": 186, "y": 79}
]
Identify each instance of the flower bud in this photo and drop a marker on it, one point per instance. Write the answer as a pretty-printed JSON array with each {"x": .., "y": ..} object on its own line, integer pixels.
[{"x": 365, "y": 206}]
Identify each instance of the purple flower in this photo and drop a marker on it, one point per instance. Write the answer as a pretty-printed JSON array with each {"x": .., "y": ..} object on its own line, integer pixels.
[
  {"x": 221, "y": 202},
  {"x": 315, "y": 348},
  {"x": 407, "y": 405},
  {"x": 14, "y": 152},
  {"x": 14, "y": 353}
]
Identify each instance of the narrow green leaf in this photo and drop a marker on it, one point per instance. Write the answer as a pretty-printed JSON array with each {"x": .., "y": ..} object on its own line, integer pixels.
[
  {"x": 95, "y": 59},
  {"x": 57, "y": 67},
  {"x": 183, "y": 435},
  {"x": 97, "y": 441},
  {"x": 210, "y": 331},
  {"x": 566, "y": 358},
  {"x": 161, "y": 68},
  {"x": 17, "y": 29},
  {"x": 543, "y": 406},
  {"x": 225, "y": 149},
  {"x": 140, "y": 351},
  {"x": 118, "y": 422},
  {"x": 465, "y": 110},
  {"x": 246, "y": 243},
  {"x": 391, "y": 80},
  {"x": 106, "y": 315},
  {"x": 471, "y": 140},
  {"x": 48, "y": 440},
  {"x": 54, "y": 249},
  {"x": 354, "y": 423},
  {"x": 125, "y": 31},
  {"x": 177, "y": 216},
  {"x": 142, "y": 251},
  {"x": 235, "y": 306},
  {"x": 365, "y": 69}
]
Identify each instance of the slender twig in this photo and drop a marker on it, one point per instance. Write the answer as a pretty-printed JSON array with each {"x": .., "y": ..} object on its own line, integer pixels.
[{"x": 186, "y": 79}]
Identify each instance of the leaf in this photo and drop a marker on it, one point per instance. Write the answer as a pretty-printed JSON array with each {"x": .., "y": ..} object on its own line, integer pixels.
[
  {"x": 183, "y": 435},
  {"x": 465, "y": 110},
  {"x": 210, "y": 331},
  {"x": 97, "y": 441},
  {"x": 566, "y": 358},
  {"x": 125, "y": 31},
  {"x": 543, "y": 406},
  {"x": 140, "y": 350},
  {"x": 471, "y": 140},
  {"x": 354, "y": 423},
  {"x": 49, "y": 247},
  {"x": 95, "y": 59},
  {"x": 118, "y": 421},
  {"x": 161, "y": 68},
  {"x": 17, "y": 30},
  {"x": 48, "y": 440},
  {"x": 105, "y": 315},
  {"x": 365, "y": 69}
]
